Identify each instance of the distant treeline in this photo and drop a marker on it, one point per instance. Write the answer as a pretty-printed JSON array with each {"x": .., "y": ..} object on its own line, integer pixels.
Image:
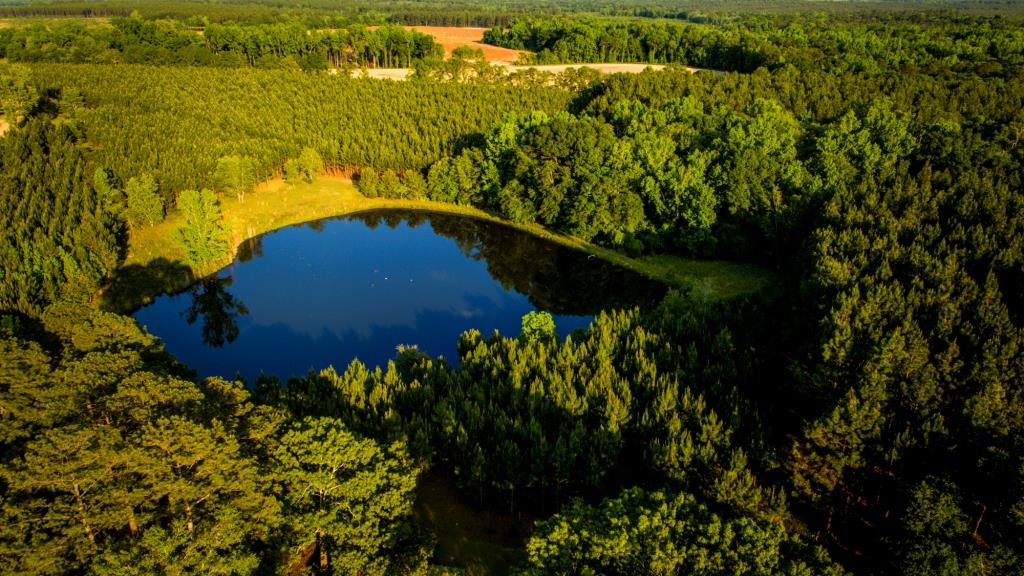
[
  {"x": 988, "y": 47},
  {"x": 326, "y": 13},
  {"x": 137, "y": 41},
  {"x": 983, "y": 46}
]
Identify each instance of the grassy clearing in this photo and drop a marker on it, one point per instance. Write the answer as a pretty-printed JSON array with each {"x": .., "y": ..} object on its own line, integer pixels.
[
  {"x": 274, "y": 204},
  {"x": 708, "y": 279},
  {"x": 153, "y": 262}
]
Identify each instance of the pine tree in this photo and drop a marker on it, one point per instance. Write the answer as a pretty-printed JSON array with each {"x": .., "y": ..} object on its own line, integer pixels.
[{"x": 347, "y": 502}]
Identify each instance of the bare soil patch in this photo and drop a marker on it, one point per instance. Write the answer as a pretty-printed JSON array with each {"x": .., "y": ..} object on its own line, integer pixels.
[
  {"x": 451, "y": 37},
  {"x": 383, "y": 73}
]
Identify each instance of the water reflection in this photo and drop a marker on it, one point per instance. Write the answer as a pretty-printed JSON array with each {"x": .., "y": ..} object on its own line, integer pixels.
[
  {"x": 556, "y": 279},
  {"x": 249, "y": 249},
  {"x": 324, "y": 293},
  {"x": 217, "y": 309}
]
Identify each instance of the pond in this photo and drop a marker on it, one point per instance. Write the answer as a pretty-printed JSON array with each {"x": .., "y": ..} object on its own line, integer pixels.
[{"x": 322, "y": 293}]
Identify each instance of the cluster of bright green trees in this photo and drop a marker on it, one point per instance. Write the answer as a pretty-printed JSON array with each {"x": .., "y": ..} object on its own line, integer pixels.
[
  {"x": 871, "y": 403},
  {"x": 732, "y": 165}
]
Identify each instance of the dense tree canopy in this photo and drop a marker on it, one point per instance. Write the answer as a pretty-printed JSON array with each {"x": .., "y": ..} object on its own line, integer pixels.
[
  {"x": 158, "y": 121},
  {"x": 347, "y": 501},
  {"x": 56, "y": 239},
  {"x": 114, "y": 461},
  {"x": 657, "y": 534}
]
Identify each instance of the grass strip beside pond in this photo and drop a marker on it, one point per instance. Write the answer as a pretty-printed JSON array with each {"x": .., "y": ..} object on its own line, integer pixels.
[{"x": 155, "y": 258}]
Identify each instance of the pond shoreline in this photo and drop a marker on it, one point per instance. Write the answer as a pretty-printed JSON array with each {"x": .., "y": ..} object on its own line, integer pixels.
[
  {"x": 359, "y": 286},
  {"x": 154, "y": 265}
]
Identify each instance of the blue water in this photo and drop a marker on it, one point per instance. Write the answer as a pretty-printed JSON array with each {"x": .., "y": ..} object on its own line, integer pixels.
[{"x": 320, "y": 294}]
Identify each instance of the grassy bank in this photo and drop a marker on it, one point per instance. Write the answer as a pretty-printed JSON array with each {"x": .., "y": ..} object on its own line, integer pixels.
[{"x": 154, "y": 263}]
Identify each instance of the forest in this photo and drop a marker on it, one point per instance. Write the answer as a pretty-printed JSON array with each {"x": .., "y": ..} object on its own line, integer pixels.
[
  {"x": 874, "y": 46},
  {"x": 863, "y": 415},
  {"x": 282, "y": 45}
]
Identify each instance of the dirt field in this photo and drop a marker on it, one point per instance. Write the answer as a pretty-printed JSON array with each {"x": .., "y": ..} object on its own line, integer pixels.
[{"x": 452, "y": 37}]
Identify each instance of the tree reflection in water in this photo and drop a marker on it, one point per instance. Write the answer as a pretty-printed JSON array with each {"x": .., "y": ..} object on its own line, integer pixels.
[
  {"x": 356, "y": 287},
  {"x": 557, "y": 279},
  {"x": 217, "y": 308}
]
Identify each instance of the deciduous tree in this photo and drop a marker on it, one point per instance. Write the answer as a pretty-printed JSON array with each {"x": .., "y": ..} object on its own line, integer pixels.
[
  {"x": 143, "y": 205},
  {"x": 201, "y": 234}
]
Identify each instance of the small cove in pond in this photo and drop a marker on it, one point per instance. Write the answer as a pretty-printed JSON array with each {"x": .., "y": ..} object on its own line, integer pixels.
[{"x": 322, "y": 293}]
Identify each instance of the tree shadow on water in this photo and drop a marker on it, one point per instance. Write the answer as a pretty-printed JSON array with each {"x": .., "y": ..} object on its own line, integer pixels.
[{"x": 135, "y": 285}]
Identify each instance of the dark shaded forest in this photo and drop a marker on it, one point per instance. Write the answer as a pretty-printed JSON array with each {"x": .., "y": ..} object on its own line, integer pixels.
[{"x": 865, "y": 415}]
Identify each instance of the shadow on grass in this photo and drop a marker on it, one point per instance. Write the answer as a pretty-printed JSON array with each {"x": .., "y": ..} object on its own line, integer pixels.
[{"x": 135, "y": 285}]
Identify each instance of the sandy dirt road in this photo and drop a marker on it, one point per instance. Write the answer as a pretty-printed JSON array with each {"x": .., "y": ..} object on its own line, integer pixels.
[{"x": 404, "y": 73}]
